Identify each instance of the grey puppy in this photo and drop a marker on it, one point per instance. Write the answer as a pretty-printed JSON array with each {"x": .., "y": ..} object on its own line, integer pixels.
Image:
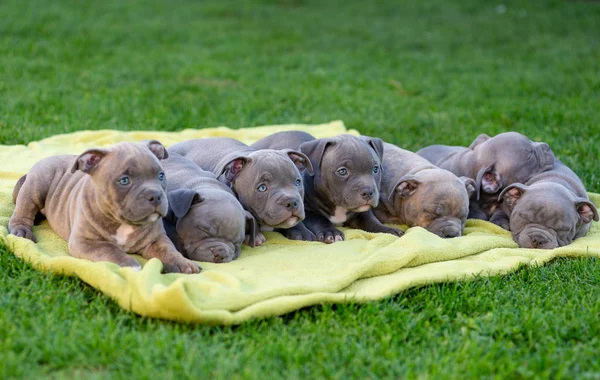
[
  {"x": 344, "y": 187},
  {"x": 205, "y": 221},
  {"x": 267, "y": 182},
  {"x": 418, "y": 193},
  {"x": 493, "y": 162},
  {"x": 550, "y": 210},
  {"x": 105, "y": 203}
]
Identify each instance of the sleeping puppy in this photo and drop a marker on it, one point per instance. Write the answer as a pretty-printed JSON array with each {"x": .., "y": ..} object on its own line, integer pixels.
[
  {"x": 494, "y": 162},
  {"x": 268, "y": 182},
  {"x": 205, "y": 221},
  {"x": 344, "y": 187},
  {"x": 106, "y": 203},
  {"x": 417, "y": 193},
  {"x": 550, "y": 210}
]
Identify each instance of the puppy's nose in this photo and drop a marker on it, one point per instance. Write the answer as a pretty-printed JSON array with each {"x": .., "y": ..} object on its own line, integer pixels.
[
  {"x": 291, "y": 204},
  {"x": 219, "y": 254},
  {"x": 154, "y": 197},
  {"x": 537, "y": 241},
  {"x": 450, "y": 233},
  {"x": 367, "y": 193}
]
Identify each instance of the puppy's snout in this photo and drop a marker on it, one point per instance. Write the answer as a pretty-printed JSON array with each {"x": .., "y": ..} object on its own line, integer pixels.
[
  {"x": 537, "y": 241},
  {"x": 291, "y": 204},
  {"x": 367, "y": 193},
  {"x": 450, "y": 233},
  {"x": 154, "y": 197},
  {"x": 220, "y": 254}
]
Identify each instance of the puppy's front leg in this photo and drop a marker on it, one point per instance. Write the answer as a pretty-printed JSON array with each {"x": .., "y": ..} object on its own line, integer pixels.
[
  {"x": 30, "y": 196},
  {"x": 322, "y": 228},
  {"x": 298, "y": 232},
  {"x": 100, "y": 250},
  {"x": 368, "y": 222},
  {"x": 163, "y": 249},
  {"x": 500, "y": 218}
]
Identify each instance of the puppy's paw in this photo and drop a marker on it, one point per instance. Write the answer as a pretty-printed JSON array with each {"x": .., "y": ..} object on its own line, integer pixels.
[
  {"x": 388, "y": 230},
  {"x": 181, "y": 265},
  {"x": 24, "y": 232},
  {"x": 299, "y": 234},
  {"x": 329, "y": 235},
  {"x": 259, "y": 239}
]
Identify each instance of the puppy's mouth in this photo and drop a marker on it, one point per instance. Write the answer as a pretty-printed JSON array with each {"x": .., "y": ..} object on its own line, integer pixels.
[
  {"x": 288, "y": 223},
  {"x": 362, "y": 208},
  {"x": 153, "y": 217}
]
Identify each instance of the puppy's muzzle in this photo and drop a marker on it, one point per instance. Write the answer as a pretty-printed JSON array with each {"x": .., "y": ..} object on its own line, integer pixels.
[
  {"x": 154, "y": 197},
  {"x": 291, "y": 204},
  {"x": 367, "y": 193}
]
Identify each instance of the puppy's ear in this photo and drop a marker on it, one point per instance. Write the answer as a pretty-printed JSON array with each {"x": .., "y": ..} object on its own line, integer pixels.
[
  {"x": 157, "y": 149},
  {"x": 545, "y": 155},
  {"x": 89, "y": 160},
  {"x": 377, "y": 145},
  {"x": 479, "y": 140},
  {"x": 251, "y": 229},
  {"x": 233, "y": 168},
  {"x": 587, "y": 210},
  {"x": 512, "y": 193},
  {"x": 406, "y": 186},
  {"x": 488, "y": 177},
  {"x": 181, "y": 200},
  {"x": 315, "y": 150},
  {"x": 300, "y": 160},
  {"x": 469, "y": 185}
]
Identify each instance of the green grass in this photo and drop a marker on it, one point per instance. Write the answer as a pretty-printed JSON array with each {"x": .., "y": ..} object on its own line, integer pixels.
[{"x": 414, "y": 73}]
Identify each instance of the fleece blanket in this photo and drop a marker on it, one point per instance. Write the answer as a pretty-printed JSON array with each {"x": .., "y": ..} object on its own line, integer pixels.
[{"x": 282, "y": 275}]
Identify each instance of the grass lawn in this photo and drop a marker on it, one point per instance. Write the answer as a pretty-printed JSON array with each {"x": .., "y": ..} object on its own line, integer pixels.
[{"x": 414, "y": 73}]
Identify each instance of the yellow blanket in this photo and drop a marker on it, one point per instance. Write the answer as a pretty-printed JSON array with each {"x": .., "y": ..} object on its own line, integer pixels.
[{"x": 282, "y": 275}]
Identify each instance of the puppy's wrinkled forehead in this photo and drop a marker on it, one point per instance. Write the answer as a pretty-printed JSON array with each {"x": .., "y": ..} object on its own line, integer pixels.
[
  {"x": 351, "y": 152},
  {"x": 132, "y": 158},
  {"x": 550, "y": 206},
  {"x": 272, "y": 166}
]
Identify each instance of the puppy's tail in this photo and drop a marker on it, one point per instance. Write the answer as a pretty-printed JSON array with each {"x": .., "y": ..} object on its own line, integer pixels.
[{"x": 17, "y": 188}]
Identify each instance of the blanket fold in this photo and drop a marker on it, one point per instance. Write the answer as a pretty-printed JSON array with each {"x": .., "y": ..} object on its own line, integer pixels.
[{"x": 282, "y": 275}]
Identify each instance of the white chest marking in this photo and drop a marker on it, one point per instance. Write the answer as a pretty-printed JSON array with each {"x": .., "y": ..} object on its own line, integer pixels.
[
  {"x": 339, "y": 217},
  {"x": 123, "y": 233}
]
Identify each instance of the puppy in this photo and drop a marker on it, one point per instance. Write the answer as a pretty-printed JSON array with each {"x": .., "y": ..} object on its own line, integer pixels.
[
  {"x": 494, "y": 162},
  {"x": 417, "y": 193},
  {"x": 344, "y": 187},
  {"x": 105, "y": 203},
  {"x": 550, "y": 210},
  {"x": 205, "y": 221},
  {"x": 267, "y": 182}
]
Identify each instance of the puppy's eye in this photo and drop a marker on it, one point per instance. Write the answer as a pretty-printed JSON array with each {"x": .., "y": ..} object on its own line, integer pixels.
[
  {"x": 375, "y": 169},
  {"x": 298, "y": 182},
  {"x": 161, "y": 176},
  {"x": 342, "y": 171},
  {"x": 124, "y": 181},
  {"x": 262, "y": 188}
]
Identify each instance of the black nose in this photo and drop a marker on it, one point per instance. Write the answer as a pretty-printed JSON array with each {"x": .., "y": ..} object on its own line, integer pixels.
[
  {"x": 367, "y": 193},
  {"x": 153, "y": 197},
  {"x": 291, "y": 204},
  {"x": 537, "y": 241}
]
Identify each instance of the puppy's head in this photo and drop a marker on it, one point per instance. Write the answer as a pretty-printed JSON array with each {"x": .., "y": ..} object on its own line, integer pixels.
[
  {"x": 129, "y": 180},
  {"x": 269, "y": 184},
  {"x": 509, "y": 158},
  {"x": 347, "y": 170},
  {"x": 211, "y": 225},
  {"x": 435, "y": 199},
  {"x": 546, "y": 215}
]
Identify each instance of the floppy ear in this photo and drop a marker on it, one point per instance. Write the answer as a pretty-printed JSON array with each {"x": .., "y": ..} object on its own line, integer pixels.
[
  {"x": 587, "y": 211},
  {"x": 376, "y": 144},
  {"x": 181, "y": 200},
  {"x": 156, "y": 148},
  {"x": 545, "y": 156},
  {"x": 251, "y": 228},
  {"x": 479, "y": 140},
  {"x": 233, "y": 168},
  {"x": 482, "y": 174},
  {"x": 315, "y": 149},
  {"x": 406, "y": 186},
  {"x": 469, "y": 185},
  {"x": 300, "y": 160},
  {"x": 89, "y": 160},
  {"x": 512, "y": 193}
]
